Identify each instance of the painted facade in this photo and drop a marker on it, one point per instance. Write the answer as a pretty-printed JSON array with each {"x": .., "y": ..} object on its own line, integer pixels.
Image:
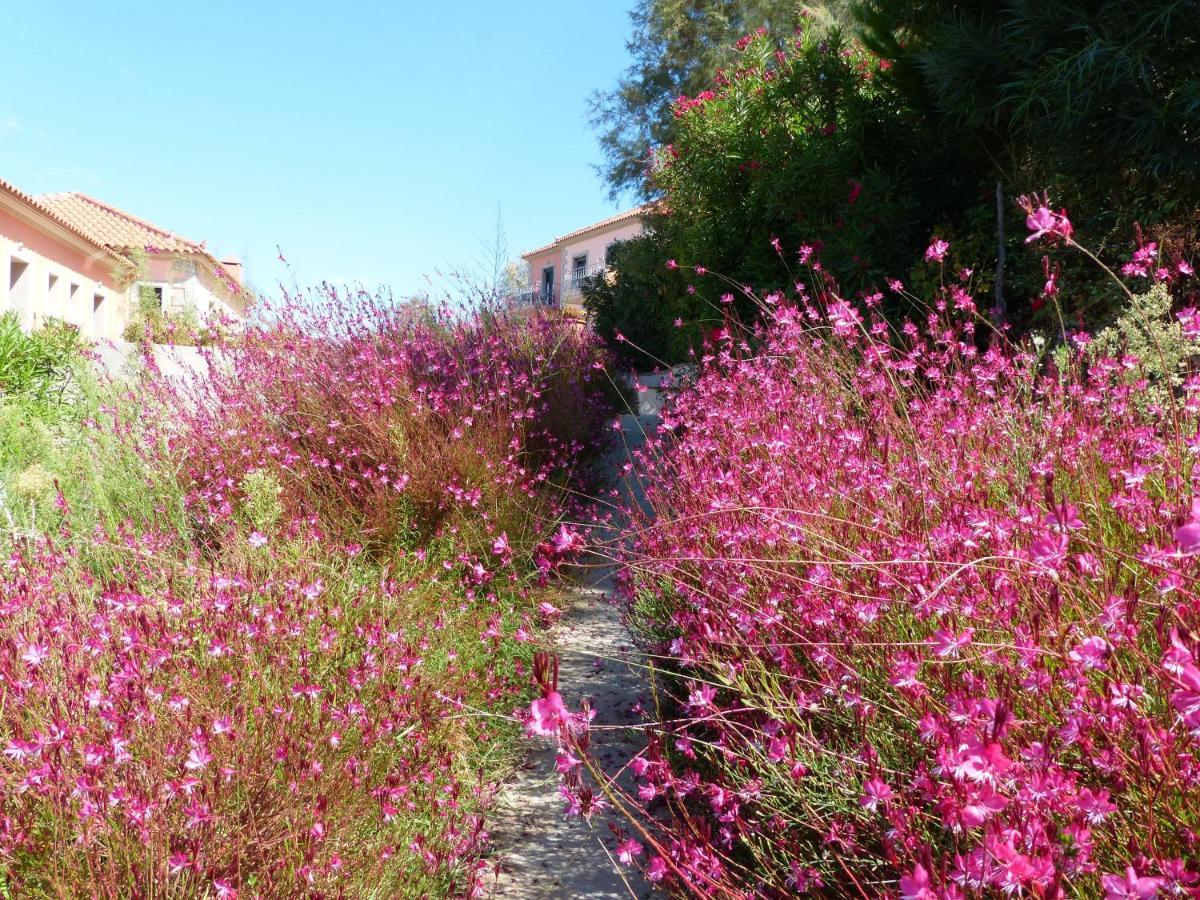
[
  {"x": 557, "y": 270},
  {"x": 72, "y": 258},
  {"x": 48, "y": 269}
]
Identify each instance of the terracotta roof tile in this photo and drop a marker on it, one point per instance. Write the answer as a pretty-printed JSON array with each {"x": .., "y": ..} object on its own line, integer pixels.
[
  {"x": 634, "y": 213},
  {"x": 62, "y": 221},
  {"x": 122, "y": 231},
  {"x": 114, "y": 227}
]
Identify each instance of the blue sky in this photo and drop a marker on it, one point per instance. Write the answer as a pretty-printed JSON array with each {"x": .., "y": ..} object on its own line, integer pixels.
[{"x": 372, "y": 141}]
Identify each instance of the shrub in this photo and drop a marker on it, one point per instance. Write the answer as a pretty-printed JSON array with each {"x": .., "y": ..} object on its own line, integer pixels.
[
  {"x": 925, "y": 617},
  {"x": 150, "y": 323},
  {"x": 304, "y": 686},
  {"x": 633, "y": 304},
  {"x": 37, "y": 366},
  {"x": 386, "y": 425}
]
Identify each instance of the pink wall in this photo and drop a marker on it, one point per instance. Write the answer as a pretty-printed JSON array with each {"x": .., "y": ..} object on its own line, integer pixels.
[
  {"x": 96, "y": 266},
  {"x": 593, "y": 243},
  {"x": 539, "y": 262}
]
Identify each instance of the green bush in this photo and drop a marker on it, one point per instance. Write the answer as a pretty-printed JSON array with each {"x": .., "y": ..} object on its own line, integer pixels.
[
  {"x": 799, "y": 145},
  {"x": 150, "y": 323},
  {"x": 1095, "y": 102},
  {"x": 633, "y": 305},
  {"x": 86, "y": 446},
  {"x": 37, "y": 366}
]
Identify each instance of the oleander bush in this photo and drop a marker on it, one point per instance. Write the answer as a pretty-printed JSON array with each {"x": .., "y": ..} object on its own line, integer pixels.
[{"x": 37, "y": 366}]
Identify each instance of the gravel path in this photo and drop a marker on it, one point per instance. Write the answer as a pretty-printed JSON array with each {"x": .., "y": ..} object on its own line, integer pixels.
[{"x": 545, "y": 855}]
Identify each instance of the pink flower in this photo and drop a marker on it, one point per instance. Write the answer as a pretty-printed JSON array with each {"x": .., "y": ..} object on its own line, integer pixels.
[
  {"x": 1049, "y": 549},
  {"x": 1189, "y": 321},
  {"x": 547, "y": 715},
  {"x": 35, "y": 655},
  {"x": 177, "y": 862},
  {"x": 1091, "y": 653},
  {"x": 500, "y": 546},
  {"x": 1186, "y": 699},
  {"x": 257, "y": 540},
  {"x": 1117, "y": 887},
  {"x": 565, "y": 761},
  {"x": 916, "y": 885},
  {"x": 1188, "y": 538},
  {"x": 627, "y": 850},
  {"x": 936, "y": 251},
  {"x": 1043, "y": 221},
  {"x": 657, "y": 870},
  {"x": 566, "y": 541},
  {"x": 947, "y": 644},
  {"x": 1095, "y": 805},
  {"x": 986, "y": 802},
  {"x": 875, "y": 792},
  {"x": 198, "y": 758}
]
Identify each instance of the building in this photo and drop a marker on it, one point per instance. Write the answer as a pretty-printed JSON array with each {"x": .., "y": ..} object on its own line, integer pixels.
[
  {"x": 49, "y": 268},
  {"x": 557, "y": 270},
  {"x": 76, "y": 259}
]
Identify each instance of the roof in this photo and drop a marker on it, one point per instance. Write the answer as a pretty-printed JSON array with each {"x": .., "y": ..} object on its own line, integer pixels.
[
  {"x": 636, "y": 213},
  {"x": 122, "y": 231},
  {"x": 61, "y": 221}
]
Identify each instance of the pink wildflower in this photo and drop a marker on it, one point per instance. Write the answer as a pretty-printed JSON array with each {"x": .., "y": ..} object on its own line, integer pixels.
[
  {"x": 916, "y": 885},
  {"x": 627, "y": 850},
  {"x": 1129, "y": 885},
  {"x": 547, "y": 715},
  {"x": 875, "y": 792},
  {"x": 1043, "y": 221}
]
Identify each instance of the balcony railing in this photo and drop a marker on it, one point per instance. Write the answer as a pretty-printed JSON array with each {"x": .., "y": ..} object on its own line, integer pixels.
[{"x": 543, "y": 294}]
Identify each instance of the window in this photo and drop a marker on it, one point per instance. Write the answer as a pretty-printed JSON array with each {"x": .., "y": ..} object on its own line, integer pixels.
[
  {"x": 579, "y": 267},
  {"x": 150, "y": 298},
  {"x": 51, "y": 307},
  {"x": 98, "y": 316},
  {"x": 18, "y": 285}
]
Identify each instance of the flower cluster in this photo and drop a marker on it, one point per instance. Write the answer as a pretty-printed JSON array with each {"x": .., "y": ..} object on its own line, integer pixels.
[
  {"x": 292, "y": 680},
  {"x": 933, "y": 613}
]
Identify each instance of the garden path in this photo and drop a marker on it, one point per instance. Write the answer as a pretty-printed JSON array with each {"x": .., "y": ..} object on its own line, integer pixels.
[{"x": 545, "y": 855}]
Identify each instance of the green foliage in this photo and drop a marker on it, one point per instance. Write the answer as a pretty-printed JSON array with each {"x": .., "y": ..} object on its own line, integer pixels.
[
  {"x": 87, "y": 445},
  {"x": 1096, "y": 102},
  {"x": 1147, "y": 331},
  {"x": 262, "y": 505},
  {"x": 944, "y": 112},
  {"x": 677, "y": 47},
  {"x": 151, "y": 323},
  {"x": 637, "y": 299},
  {"x": 37, "y": 366},
  {"x": 1105, "y": 90},
  {"x": 804, "y": 146}
]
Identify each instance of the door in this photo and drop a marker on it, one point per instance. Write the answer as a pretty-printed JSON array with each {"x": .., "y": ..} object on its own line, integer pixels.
[{"x": 548, "y": 285}]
